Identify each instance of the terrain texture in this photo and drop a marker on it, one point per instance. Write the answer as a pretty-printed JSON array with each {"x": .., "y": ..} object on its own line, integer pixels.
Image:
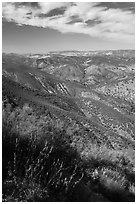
[{"x": 69, "y": 126}]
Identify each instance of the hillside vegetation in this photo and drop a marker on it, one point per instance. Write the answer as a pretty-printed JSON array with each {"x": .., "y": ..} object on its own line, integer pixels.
[{"x": 68, "y": 126}]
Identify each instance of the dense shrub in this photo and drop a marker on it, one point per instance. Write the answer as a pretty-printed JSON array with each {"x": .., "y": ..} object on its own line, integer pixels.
[{"x": 46, "y": 160}]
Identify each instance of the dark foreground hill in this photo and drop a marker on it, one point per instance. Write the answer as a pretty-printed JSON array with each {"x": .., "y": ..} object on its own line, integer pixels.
[{"x": 68, "y": 126}]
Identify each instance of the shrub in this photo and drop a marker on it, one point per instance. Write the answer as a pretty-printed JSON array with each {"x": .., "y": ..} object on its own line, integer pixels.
[{"x": 46, "y": 161}]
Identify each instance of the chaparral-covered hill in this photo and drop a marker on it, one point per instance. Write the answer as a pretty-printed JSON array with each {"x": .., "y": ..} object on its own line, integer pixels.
[{"x": 84, "y": 100}]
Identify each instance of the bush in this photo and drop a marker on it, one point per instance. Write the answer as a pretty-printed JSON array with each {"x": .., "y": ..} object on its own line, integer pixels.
[{"x": 42, "y": 161}]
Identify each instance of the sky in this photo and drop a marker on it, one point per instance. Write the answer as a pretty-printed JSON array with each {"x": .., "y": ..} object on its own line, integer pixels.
[{"x": 40, "y": 27}]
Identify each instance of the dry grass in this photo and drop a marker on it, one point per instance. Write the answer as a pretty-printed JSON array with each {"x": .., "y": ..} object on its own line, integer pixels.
[{"x": 46, "y": 161}]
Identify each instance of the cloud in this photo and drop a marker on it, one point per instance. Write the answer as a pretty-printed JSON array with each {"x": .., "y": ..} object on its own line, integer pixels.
[{"x": 102, "y": 20}]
